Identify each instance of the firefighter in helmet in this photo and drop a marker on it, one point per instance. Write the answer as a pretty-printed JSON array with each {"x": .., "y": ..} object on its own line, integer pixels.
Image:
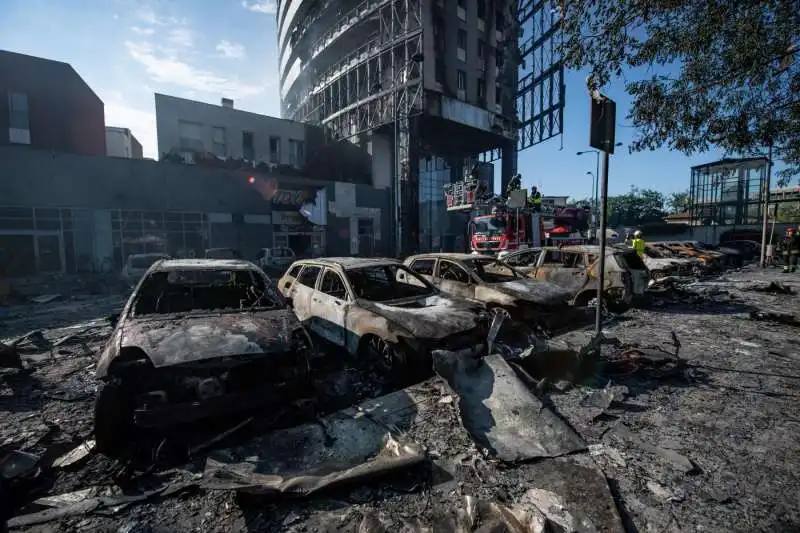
[
  {"x": 536, "y": 200},
  {"x": 790, "y": 248}
]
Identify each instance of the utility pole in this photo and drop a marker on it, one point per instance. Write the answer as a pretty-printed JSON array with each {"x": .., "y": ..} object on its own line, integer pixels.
[
  {"x": 765, "y": 209},
  {"x": 602, "y": 128}
]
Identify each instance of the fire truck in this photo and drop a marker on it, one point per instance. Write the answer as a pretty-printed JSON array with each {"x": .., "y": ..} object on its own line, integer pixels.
[{"x": 495, "y": 227}]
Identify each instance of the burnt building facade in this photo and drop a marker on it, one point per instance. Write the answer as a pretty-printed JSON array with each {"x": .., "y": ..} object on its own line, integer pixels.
[{"x": 46, "y": 105}]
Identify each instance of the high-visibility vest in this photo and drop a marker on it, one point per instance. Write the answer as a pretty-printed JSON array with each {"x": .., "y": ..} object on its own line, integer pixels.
[
  {"x": 638, "y": 245},
  {"x": 536, "y": 198}
]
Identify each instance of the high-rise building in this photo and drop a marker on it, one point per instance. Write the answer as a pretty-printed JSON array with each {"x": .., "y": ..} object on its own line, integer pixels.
[{"x": 425, "y": 85}]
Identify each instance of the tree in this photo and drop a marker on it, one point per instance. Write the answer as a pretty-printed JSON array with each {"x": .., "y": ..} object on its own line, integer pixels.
[
  {"x": 679, "y": 202},
  {"x": 636, "y": 207},
  {"x": 789, "y": 212},
  {"x": 738, "y": 67}
]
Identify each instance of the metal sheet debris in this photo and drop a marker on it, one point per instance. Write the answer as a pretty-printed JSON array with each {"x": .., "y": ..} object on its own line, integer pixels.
[
  {"x": 358, "y": 443},
  {"x": 500, "y": 412},
  {"x": 77, "y": 455}
]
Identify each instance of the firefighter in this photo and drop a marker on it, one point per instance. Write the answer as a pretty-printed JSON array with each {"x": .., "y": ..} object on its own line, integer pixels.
[
  {"x": 536, "y": 200},
  {"x": 638, "y": 243},
  {"x": 790, "y": 248}
]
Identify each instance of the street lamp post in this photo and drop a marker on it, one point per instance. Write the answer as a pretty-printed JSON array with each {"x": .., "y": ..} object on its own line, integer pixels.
[
  {"x": 593, "y": 236},
  {"x": 596, "y": 178}
]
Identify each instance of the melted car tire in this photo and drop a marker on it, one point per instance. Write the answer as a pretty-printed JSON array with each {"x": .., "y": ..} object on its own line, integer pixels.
[
  {"x": 391, "y": 362},
  {"x": 113, "y": 420}
]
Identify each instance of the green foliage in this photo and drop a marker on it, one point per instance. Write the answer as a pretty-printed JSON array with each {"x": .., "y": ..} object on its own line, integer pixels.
[
  {"x": 679, "y": 202},
  {"x": 639, "y": 206},
  {"x": 737, "y": 63},
  {"x": 789, "y": 212}
]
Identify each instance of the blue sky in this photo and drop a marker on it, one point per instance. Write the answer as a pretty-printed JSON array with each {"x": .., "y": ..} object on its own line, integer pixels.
[{"x": 126, "y": 50}]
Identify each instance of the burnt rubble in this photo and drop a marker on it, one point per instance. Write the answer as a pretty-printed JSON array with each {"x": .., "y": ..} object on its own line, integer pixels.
[{"x": 680, "y": 417}]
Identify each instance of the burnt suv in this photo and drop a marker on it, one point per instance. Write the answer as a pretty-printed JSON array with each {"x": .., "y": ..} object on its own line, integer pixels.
[{"x": 198, "y": 338}]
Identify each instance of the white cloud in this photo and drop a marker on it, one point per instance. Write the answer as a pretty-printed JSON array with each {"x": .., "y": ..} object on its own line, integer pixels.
[
  {"x": 141, "y": 123},
  {"x": 148, "y": 15},
  {"x": 163, "y": 67},
  {"x": 230, "y": 50},
  {"x": 268, "y": 7},
  {"x": 181, "y": 36},
  {"x": 142, "y": 31}
]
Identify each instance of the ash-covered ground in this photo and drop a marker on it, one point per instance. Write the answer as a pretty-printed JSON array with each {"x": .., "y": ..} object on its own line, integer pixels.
[{"x": 705, "y": 441}]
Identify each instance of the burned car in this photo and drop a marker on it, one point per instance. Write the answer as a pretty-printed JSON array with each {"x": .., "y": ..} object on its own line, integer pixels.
[
  {"x": 662, "y": 263},
  {"x": 198, "y": 338},
  {"x": 496, "y": 284},
  {"x": 379, "y": 310},
  {"x": 575, "y": 269}
]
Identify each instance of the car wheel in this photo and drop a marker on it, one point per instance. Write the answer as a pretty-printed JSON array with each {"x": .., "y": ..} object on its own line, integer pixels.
[
  {"x": 616, "y": 305},
  {"x": 113, "y": 419},
  {"x": 386, "y": 357}
]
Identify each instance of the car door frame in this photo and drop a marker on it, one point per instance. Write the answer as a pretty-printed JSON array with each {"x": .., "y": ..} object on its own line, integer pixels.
[
  {"x": 427, "y": 277},
  {"x": 334, "y": 310},
  {"x": 304, "y": 303},
  {"x": 468, "y": 290}
]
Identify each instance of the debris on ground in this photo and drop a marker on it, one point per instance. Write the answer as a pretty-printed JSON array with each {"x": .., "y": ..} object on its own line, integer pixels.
[{"x": 678, "y": 417}]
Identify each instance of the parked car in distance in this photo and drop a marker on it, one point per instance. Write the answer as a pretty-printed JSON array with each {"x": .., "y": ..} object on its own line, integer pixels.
[
  {"x": 137, "y": 264},
  {"x": 575, "y": 269},
  {"x": 380, "y": 310},
  {"x": 221, "y": 253},
  {"x": 198, "y": 338},
  {"x": 496, "y": 284},
  {"x": 273, "y": 259}
]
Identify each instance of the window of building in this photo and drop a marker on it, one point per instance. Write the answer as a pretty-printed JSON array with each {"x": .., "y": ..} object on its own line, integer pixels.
[
  {"x": 297, "y": 155},
  {"x": 482, "y": 91},
  {"x": 462, "y": 4},
  {"x": 19, "y": 131},
  {"x": 462, "y": 9},
  {"x": 482, "y": 9},
  {"x": 248, "y": 152},
  {"x": 462, "y": 39},
  {"x": 498, "y": 58},
  {"x": 462, "y": 80},
  {"x": 218, "y": 139},
  {"x": 499, "y": 21},
  {"x": 481, "y": 49},
  {"x": 190, "y": 136},
  {"x": 498, "y": 95},
  {"x": 439, "y": 35},
  {"x": 275, "y": 150}
]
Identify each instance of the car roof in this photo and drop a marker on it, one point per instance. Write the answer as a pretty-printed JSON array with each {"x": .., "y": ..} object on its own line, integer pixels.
[
  {"x": 203, "y": 264},
  {"x": 448, "y": 255},
  {"x": 347, "y": 263}
]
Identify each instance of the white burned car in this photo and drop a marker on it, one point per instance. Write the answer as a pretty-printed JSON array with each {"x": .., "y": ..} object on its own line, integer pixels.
[{"x": 378, "y": 308}]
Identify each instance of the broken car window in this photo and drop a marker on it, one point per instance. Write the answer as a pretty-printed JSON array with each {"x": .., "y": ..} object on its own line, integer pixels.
[
  {"x": 380, "y": 283},
  {"x": 522, "y": 259},
  {"x": 333, "y": 285},
  {"x": 309, "y": 276},
  {"x": 452, "y": 272},
  {"x": 491, "y": 270},
  {"x": 294, "y": 271},
  {"x": 423, "y": 266},
  {"x": 184, "y": 291},
  {"x": 552, "y": 257}
]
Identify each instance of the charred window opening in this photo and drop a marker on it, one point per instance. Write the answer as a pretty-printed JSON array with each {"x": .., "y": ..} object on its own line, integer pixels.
[
  {"x": 387, "y": 282},
  {"x": 491, "y": 270},
  {"x": 184, "y": 291}
]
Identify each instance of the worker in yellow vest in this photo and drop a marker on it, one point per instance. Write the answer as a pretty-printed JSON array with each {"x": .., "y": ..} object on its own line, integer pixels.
[
  {"x": 536, "y": 200},
  {"x": 638, "y": 243}
]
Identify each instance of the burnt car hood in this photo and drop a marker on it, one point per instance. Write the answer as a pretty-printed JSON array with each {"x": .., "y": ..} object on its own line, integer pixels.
[
  {"x": 431, "y": 317},
  {"x": 534, "y": 291},
  {"x": 174, "y": 341}
]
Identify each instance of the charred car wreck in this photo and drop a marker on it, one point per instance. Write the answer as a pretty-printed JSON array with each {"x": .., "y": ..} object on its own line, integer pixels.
[
  {"x": 497, "y": 285},
  {"x": 379, "y": 310},
  {"x": 197, "y": 339}
]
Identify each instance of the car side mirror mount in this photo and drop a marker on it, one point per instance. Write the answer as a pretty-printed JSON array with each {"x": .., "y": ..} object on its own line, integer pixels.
[{"x": 113, "y": 319}]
